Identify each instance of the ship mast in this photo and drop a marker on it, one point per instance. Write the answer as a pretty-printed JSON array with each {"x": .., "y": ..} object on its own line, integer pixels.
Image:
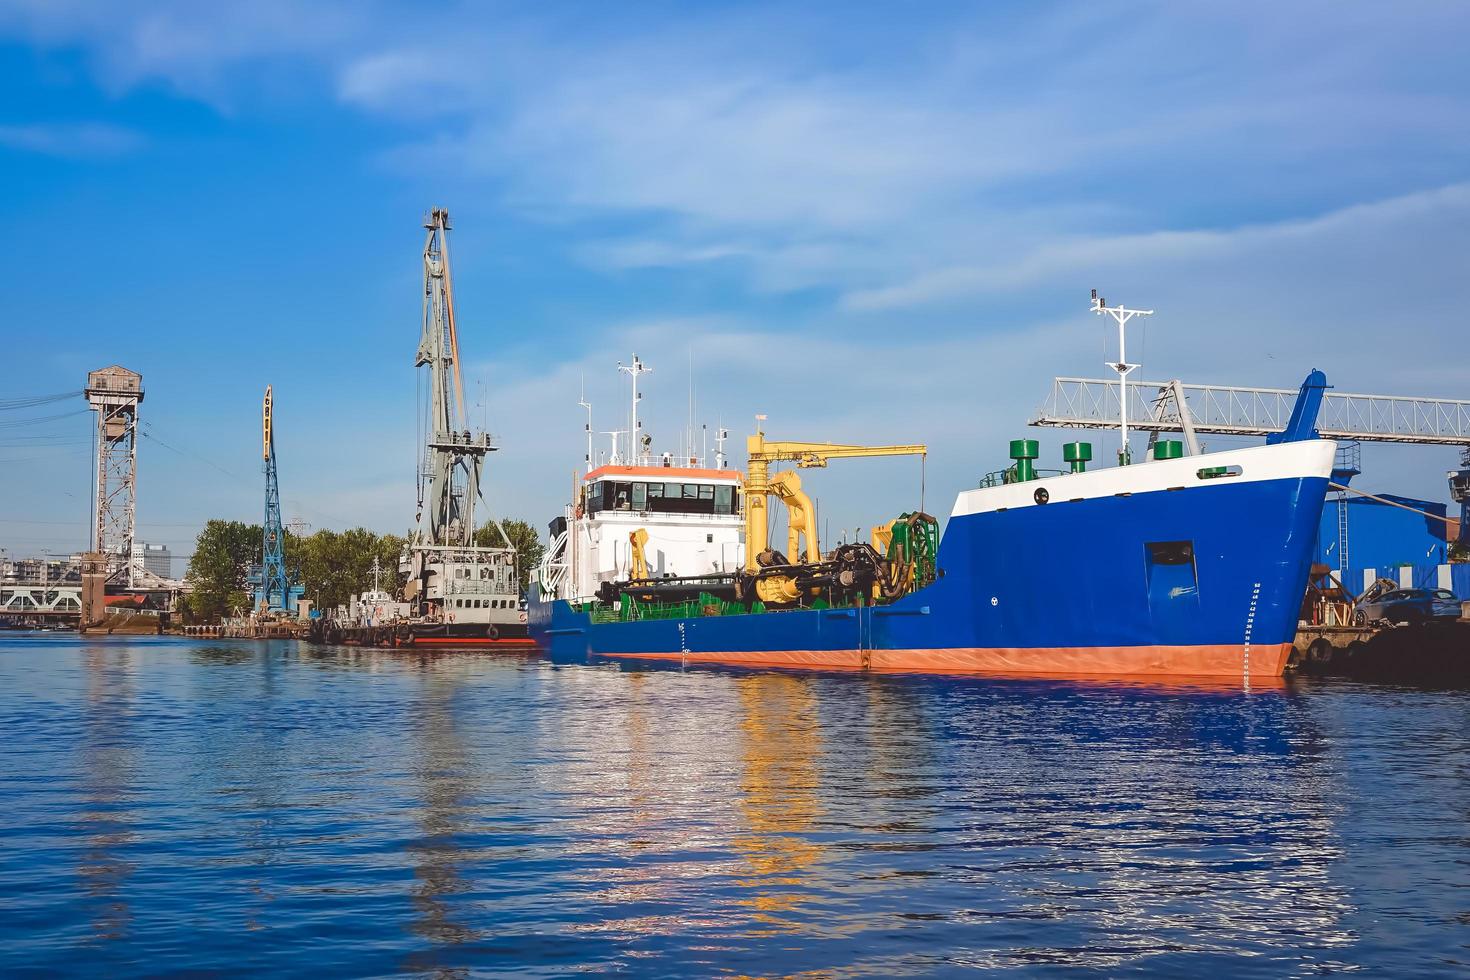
[
  {"x": 635, "y": 428},
  {"x": 584, "y": 403},
  {"x": 1121, "y": 314},
  {"x": 450, "y": 480}
]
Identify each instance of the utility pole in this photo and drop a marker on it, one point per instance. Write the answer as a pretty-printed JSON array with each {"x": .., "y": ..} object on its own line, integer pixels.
[{"x": 1122, "y": 315}]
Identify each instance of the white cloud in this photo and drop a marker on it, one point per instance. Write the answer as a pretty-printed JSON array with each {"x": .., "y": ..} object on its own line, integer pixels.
[
  {"x": 1100, "y": 255},
  {"x": 79, "y": 140},
  {"x": 204, "y": 50}
]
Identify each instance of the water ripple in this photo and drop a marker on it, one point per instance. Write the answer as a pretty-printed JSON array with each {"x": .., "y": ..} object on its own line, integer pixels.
[{"x": 245, "y": 808}]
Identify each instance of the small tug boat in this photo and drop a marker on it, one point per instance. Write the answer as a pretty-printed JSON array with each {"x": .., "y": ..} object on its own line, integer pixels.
[{"x": 1178, "y": 565}]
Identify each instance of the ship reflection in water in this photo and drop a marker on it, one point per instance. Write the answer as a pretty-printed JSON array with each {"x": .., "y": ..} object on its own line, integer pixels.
[
  {"x": 781, "y": 746},
  {"x": 178, "y": 808}
]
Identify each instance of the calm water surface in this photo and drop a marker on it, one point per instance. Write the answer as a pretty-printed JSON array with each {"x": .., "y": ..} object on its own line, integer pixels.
[{"x": 231, "y": 807}]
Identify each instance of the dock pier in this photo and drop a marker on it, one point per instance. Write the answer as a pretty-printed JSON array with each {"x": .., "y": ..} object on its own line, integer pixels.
[{"x": 1425, "y": 652}]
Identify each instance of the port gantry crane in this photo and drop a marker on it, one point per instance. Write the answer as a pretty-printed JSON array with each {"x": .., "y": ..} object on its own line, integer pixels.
[{"x": 275, "y": 589}]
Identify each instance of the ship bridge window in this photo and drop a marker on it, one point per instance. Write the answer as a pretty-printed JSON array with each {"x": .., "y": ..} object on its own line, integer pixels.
[
  {"x": 662, "y": 497},
  {"x": 683, "y": 498},
  {"x": 609, "y": 495}
]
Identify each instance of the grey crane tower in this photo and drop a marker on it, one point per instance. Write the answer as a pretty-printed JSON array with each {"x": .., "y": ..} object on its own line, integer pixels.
[
  {"x": 115, "y": 394},
  {"x": 445, "y": 570},
  {"x": 449, "y": 480}
]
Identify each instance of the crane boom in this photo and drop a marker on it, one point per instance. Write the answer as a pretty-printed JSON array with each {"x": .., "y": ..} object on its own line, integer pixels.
[{"x": 759, "y": 487}]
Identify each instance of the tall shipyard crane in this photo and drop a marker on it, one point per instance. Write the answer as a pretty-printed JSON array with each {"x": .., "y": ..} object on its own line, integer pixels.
[
  {"x": 442, "y": 559},
  {"x": 274, "y": 591},
  {"x": 449, "y": 477}
]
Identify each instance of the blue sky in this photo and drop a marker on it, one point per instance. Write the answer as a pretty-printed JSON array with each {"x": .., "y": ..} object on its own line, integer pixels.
[{"x": 869, "y": 222}]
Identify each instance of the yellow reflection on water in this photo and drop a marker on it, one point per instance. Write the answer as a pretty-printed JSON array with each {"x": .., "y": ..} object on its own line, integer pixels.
[{"x": 778, "y": 791}]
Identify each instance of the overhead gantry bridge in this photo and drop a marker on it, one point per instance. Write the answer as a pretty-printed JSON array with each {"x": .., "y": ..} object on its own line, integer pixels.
[
  {"x": 1155, "y": 406},
  {"x": 1194, "y": 410}
]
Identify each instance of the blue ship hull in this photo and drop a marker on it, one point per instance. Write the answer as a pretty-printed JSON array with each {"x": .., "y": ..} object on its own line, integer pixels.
[{"x": 1203, "y": 578}]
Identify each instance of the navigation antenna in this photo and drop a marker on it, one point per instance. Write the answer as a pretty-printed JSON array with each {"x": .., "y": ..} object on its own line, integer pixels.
[
  {"x": 614, "y": 459},
  {"x": 1122, "y": 315},
  {"x": 584, "y": 403},
  {"x": 633, "y": 371}
]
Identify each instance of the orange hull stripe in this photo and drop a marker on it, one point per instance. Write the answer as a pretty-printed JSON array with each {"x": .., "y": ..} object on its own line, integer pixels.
[{"x": 1222, "y": 660}]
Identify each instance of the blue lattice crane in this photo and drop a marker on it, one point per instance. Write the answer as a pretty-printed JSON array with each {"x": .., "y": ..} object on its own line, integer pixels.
[{"x": 274, "y": 594}]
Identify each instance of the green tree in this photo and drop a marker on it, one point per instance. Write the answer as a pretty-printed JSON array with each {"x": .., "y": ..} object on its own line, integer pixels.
[
  {"x": 335, "y": 565},
  {"x": 523, "y": 538},
  {"x": 223, "y": 554}
]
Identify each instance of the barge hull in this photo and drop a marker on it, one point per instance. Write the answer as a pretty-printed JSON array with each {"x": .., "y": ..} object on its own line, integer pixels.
[
  {"x": 1201, "y": 661},
  {"x": 1159, "y": 569}
]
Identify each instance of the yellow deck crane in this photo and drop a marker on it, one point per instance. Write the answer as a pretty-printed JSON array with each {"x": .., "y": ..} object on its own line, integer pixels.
[{"x": 760, "y": 487}]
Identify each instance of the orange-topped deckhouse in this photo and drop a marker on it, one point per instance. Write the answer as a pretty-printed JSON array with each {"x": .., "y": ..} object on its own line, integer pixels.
[{"x": 645, "y": 516}]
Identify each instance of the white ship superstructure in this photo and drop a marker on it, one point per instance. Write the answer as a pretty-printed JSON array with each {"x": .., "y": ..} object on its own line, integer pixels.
[{"x": 644, "y": 515}]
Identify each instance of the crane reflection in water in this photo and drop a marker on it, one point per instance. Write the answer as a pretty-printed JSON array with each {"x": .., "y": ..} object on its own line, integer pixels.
[
  {"x": 109, "y": 772},
  {"x": 444, "y": 773}
]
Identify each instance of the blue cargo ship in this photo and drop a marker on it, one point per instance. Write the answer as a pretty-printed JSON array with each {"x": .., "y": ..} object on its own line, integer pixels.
[{"x": 1178, "y": 565}]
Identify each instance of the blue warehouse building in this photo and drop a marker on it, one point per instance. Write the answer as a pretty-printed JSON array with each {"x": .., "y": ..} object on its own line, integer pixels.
[{"x": 1384, "y": 541}]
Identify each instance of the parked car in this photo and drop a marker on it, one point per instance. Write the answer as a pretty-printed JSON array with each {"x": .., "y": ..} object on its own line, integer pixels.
[
  {"x": 1407, "y": 606},
  {"x": 1446, "y": 604}
]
